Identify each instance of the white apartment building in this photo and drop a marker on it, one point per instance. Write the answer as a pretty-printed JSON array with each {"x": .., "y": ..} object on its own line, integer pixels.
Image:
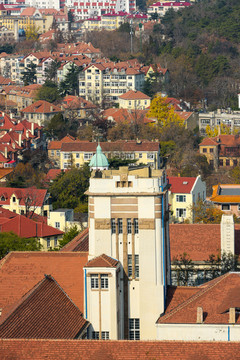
[
  {"x": 215, "y": 119},
  {"x": 160, "y": 8},
  {"x": 99, "y": 81},
  {"x": 91, "y": 8},
  {"x": 128, "y": 271},
  {"x": 44, "y": 4}
]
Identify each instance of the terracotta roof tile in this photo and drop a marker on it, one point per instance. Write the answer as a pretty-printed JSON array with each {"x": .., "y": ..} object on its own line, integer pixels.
[
  {"x": 45, "y": 312},
  {"x": 42, "y": 106},
  {"x": 117, "y": 350},
  {"x": 38, "y": 196},
  {"x": 79, "y": 243},
  {"x": 120, "y": 145},
  {"x": 133, "y": 95},
  {"x": 182, "y": 185},
  {"x": 225, "y": 290},
  {"x": 20, "y": 271},
  {"x": 102, "y": 261}
]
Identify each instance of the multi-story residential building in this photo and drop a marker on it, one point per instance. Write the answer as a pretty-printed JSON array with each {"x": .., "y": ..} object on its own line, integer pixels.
[
  {"x": 77, "y": 153},
  {"x": 41, "y": 111},
  {"x": 108, "y": 80},
  {"x": 226, "y": 197},
  {"x": 40, "y": 4},
  {"x": 184, "y": 192},
  {"x": 215, "y": 119},
  {"x": 135, "y": 100},
  {"x": 89, "y": 9},
  {"x": 160, "y": 8},
  {"x": 221, "y": 151}
]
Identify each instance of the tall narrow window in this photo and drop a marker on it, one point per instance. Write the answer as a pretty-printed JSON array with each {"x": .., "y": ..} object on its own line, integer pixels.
[
  {"x": 120, "y": 226},
  {"x": 113, "y": 226},
  {"x": 129, "y": 265},
  {"x": 129, "y": 226},
  {"x": 136, "y": 226},
  {"x": 136, "y": 266},
  {"x": 104, "y": 281},
  {"x": 134, "y": 329},
  {"x": 94, "y": 281}
]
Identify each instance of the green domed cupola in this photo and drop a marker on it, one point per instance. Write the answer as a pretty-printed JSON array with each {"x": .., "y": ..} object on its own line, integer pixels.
[{"x": 99, "y": 160}]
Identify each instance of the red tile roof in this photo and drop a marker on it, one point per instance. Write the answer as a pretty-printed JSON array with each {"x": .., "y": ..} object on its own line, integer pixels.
[
  {"x": 28, "y": 11},
  {"x": 52, "y": 174},
  {"x": 56, "y": 145},
  {"x": 120, "y": 145},
  {"x": 45, "y": 312},
  {"x": 127, "y": 116},
  {"x": 134, "y": 95},
  {"x": 38, "y": 196},
  {"x": 42, "y": 106},
  {"x": 20, "y": 271},
  {"x": 177, "y": 295},
  {"x": 79, "y": 243},
  {"x": 208, "y": 142},
  {"x": 197, "y": 240},
  {"x": 21, "y": 349},
  {"x": 102, "y": 261},
  {"x": 181, "y": 185},
  {"x": 225, "y": 290}
]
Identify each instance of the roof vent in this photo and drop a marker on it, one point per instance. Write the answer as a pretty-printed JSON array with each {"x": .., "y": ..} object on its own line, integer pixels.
[{"x": 185, "y": 182}]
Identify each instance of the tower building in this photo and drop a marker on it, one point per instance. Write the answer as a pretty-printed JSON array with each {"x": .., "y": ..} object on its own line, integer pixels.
[{"x": 129, "y": 258}]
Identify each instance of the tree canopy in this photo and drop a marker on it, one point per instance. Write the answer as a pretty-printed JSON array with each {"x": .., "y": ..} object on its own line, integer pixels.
[
  {"x": 68, "y": 189},
  {"x": 29, "y": 74},
  {"x": 70, "y": 84},
  {"x": 68, "y": 236},
  {"x": 12, "y": 242},
  {"x": 48, "y": 92}
]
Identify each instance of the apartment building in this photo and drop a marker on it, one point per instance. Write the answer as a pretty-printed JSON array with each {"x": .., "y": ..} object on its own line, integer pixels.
[
  {"x": 215, "y": 119},
  {"x": 77, "y": 153},
  {"x": 108, "y": 80},
  {"x": 160, "y": 8}
]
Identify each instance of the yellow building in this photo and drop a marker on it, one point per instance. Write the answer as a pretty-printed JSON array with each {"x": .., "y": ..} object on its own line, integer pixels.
[
  {"x": 80, "y": 152},
  {"x": 134, "y": 100},
  {"x": 184, "y": 192}
]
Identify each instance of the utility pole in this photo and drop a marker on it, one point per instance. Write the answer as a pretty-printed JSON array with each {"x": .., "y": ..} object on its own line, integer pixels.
[{"x": 131, "y": 35}]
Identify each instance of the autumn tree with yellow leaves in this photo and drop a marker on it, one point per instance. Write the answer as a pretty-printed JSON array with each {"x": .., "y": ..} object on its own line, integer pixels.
[
  {"x": 222, "y": 129},
  {"x": 32, "y": 32},
  {"x": 164, "y": 113}
]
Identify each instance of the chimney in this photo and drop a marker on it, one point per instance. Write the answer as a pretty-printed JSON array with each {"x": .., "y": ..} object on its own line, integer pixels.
[
  {"x": 232, "y": 316},
  {"x": 27, "y": 133},
  {"x": 20, "y": 139},
  {"x": 11, "y": 115},
  {"x": 5, "y": 152},
  {"x": 32, "y": 128},
  {"x": 227, "y": 234},
  {"x": 199, "y": 315},
  {"x": 51, "y": 108}
]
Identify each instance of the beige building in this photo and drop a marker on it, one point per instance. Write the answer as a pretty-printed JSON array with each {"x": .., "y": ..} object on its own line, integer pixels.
[
  {"x": 78, "y": 152},
  {"x": 134, "y": 100},
  {"x": 184, "y": 192},
  {"x": 126, "y": 207}
]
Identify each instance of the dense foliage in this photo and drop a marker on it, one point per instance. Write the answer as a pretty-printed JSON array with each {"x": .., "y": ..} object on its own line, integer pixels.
[{"x": 12, "y": 242}]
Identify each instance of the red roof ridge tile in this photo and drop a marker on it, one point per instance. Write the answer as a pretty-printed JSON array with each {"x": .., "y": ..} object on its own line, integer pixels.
[{"x": 102, "y": 261}]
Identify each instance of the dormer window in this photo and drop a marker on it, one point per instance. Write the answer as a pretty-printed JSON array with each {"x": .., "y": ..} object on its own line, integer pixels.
[
  {"x": 3, "y": 198},
  {"x": 14, "y": 199}
]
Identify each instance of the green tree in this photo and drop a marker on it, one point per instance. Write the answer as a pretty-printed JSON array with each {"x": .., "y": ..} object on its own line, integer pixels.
[
  {"x": 184, "y": 269},
  {"x": 68, "y": 236},
  {"x": 220, "y": 264},
  {"x": 57, "y": 127},
  {"x": 51, "y": 71},
  {"x": 70, "y": 85},
  {"x": 24, "y": 175},
  {"x": 48, "y": 92},
  {"x": 29, "y": 74},
  {"x": 68, "y": 189},
  {"x": 11, "y": 242},
  {"x": 235, "y": 174}
]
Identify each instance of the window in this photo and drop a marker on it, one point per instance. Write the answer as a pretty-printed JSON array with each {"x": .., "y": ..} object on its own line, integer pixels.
[
  {"x": 55, "y": 241},
  {"x": 234, "y": 162},
  {"x": 120, "y": 226},
  {"x": 22, "y": 212},
  {"x": 3, "y": 198},
  {"x": 140, "y": 155},
  {"x": 135, "y": 222},
  {"x": 130, "y": 270},
  {"x": 48, "y": 243},
  {"x": 181, "y": 213},
  {"x": 57, "y": 225},
  {"x": 94, "y": 281},
  {"x": 211, "y": 150},
  {"x": 220, "y": 162},
  {"x": 150, "y": 156},
  {"x": 52, "y": 152},
  {"x": 104, "y": 281},
  {"x": 181, "y": 198},
  {"x": 14, "y": 199},
  {"x": 77, "y": 155},
  {"x": 113, "y": 226},
  {"x": 87, "y": 156},
  {"x": 225, "y": 207},
  {"x": 238, "y": 207},
  {"x": 227, "y": 162},
  {"x": 134, "y": 329},
  {"x": 58, "y": 153},
  {"x": 129, "y": 226},
  {"x": 45, "y": 213},
  {"x": 105, "y": 335},
  {"x": 67, "y": 156},
  {"x": 204, "y": 150}
]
